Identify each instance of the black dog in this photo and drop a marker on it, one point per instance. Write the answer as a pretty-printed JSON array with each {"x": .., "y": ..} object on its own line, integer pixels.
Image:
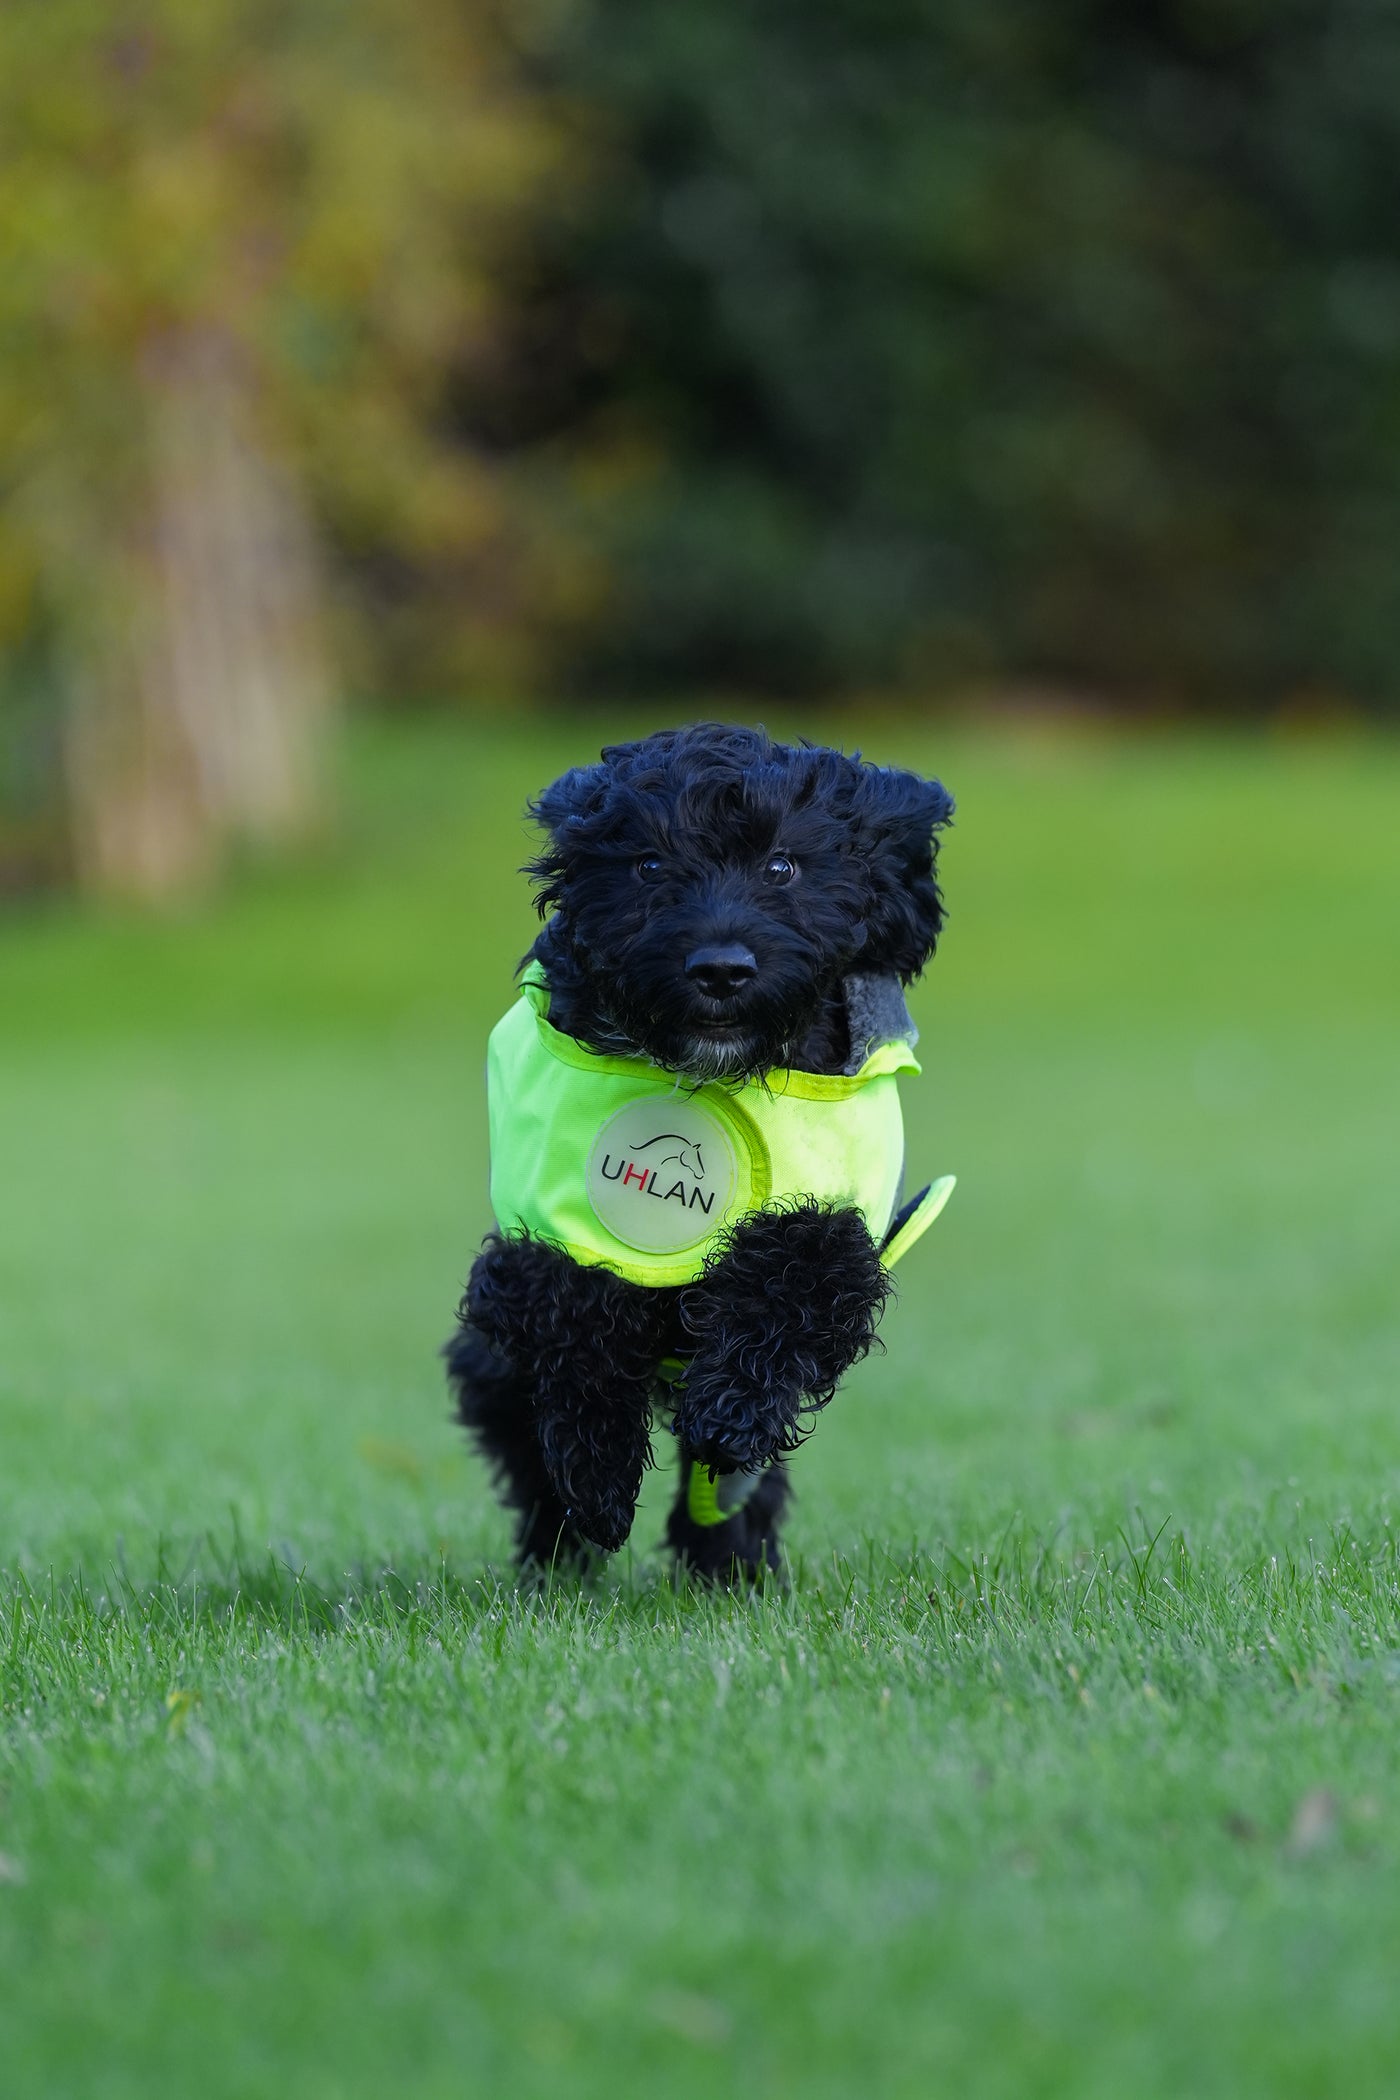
[{"x": 720, "y": 908}]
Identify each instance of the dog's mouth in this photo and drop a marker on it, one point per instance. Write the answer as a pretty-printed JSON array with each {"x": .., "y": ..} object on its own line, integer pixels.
[
  {"x": 723, "y": 1021},
  {"x": 722, "y": 1053},
  {"x": 721, "y": 1018},
  {"x": 726, "y": 1039},
  {"x": 701, "y": 1034}
]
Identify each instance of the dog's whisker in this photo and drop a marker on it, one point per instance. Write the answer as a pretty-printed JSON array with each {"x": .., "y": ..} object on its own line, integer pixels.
[{"x": 710, "y": 1057}]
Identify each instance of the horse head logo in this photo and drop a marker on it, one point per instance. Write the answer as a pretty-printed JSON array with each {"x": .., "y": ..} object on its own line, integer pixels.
[{"x": 686, "y": 1151}]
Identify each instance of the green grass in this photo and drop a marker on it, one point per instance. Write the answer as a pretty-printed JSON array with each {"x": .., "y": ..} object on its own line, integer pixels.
[{"x": 1067, "y": 1766}]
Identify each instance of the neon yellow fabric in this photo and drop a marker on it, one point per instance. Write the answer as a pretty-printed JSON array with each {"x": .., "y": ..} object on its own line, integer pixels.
[
  {"x": 554, "y": 1171},
  {"x": 918, "y": 1221},
  {"x": 702, "y": 1497}
]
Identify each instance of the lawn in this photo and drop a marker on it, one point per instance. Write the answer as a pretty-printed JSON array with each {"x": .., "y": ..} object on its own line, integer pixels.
[{"x": 1070, "y": 1761}]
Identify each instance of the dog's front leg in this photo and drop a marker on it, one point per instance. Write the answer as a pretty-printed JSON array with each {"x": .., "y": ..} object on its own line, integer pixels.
[
  {"x": 576, "y": 1350},
  {"x": 784, "y": 1308}
]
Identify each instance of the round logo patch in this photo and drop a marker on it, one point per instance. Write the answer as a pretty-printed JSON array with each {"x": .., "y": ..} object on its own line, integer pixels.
[{"x": 663, "y": 1174}]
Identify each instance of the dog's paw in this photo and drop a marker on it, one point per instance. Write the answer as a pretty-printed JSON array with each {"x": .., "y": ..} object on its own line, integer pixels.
[
  {"x": 731, "y": 1429},
  {"x": 741, "y": 1550},
  {"x": 609, "y": 1529},
  {"x": 599, "y": 1508},
  {"x": 712, "y": 1454},
  {"x": 598, "y": 1485}
]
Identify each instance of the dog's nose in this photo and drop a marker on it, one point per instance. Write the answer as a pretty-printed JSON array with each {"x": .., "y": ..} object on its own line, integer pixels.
[{"x": 721, "y": 971}]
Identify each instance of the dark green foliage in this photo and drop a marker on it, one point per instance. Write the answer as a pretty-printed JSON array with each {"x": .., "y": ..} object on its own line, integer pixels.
[{"x": 903, "y": 339}]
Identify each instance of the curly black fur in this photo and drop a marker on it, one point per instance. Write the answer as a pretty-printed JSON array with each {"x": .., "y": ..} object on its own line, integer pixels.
[
  {"x": 819, "y": 867},
  {"x": 494, "y": 1403},
  {"x": 570, "y": 1363},
  {"x": 788, "y": 1301}
]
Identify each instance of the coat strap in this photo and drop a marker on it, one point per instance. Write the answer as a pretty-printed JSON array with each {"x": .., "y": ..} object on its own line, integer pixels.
[{"x": 913, "y": 1221}]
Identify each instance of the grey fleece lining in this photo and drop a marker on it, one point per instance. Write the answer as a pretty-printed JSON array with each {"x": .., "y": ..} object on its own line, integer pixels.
[{"x": 877, "y": 1014}]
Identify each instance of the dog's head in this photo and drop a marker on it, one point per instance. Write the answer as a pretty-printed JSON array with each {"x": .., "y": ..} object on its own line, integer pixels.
[{"x": 710, "y": 889}]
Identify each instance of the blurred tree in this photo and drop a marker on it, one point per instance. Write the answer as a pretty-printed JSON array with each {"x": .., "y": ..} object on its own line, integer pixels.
[
  {"x": 907, "y": 339},
  {"x": 241, "y": 245}
]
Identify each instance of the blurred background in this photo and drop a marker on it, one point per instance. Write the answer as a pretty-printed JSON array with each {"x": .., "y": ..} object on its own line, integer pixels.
[{"x": 430, "y": 355}]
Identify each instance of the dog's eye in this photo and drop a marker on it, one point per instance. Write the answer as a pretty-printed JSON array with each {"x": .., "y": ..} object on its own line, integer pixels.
[
  {"x": 779, "y": 869},
  {"x": 651, "y": 867}
]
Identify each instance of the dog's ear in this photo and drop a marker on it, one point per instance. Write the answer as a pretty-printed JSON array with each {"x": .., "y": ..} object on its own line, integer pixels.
[
  {"x": 574, "y": 797},
  {"x": 567, "y": 812},
  {"x": 897, "y": 818}
]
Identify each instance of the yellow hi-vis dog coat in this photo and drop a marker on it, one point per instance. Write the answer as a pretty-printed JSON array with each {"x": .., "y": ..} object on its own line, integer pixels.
[{"x": 622, "y": 1164}]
